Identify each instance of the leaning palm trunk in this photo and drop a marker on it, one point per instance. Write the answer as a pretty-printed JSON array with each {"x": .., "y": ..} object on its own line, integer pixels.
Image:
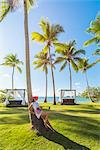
[
  {"x": 89, "y": 95},
  {"x": 70, "y": 77},
  {"x": 13, "y": 77},
  {"x": 27, "y": 53},
  {"x": 53, "y": 81},
  {"x": 45, "y": 101}
]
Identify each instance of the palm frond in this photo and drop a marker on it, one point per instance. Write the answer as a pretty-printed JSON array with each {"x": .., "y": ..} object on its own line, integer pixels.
[
  {"x": 72, "y": 43},
  {"x": 43, "y": 25},
  {"x": 97, "y": 52},
  {"x": 48, "y": 29},
  {"x": 59, "y": 60},
  {"x": 55, "y": 30},
  {"x": 39, "y": 65},
  {"x": 60, "y": 46},
  {"x": 75, "y": 67},
  {"x": 45, "y": 49},
  {"x": 19, "y": 69},
  {"x": 32, "y": 2},
  {"x": 88, "y": 42},
  {"x": 78, "y": 52},
  {"x": 38, "y": 37},
  {"x": 63, "y": 66},
  {"x": 93, "y": 64},
  {"x": 4, "y": 10}
]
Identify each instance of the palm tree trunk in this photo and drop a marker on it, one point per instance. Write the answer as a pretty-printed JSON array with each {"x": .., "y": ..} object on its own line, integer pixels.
[
  {"x": 27, "y": 53},
  {"x": 88, "y": 87},
  {"x": 70, "y": 77},
  {"x": 13, "y": 69},
  {"x": 45, "y": 100},
  {"x": 53, "y": 81}
]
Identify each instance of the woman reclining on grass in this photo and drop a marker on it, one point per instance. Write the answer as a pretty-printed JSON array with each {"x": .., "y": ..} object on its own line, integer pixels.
[{"x": 35, "y": 109}]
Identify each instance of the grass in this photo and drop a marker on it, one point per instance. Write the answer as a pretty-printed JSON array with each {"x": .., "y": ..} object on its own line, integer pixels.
[{"x": 75, "y": 125}]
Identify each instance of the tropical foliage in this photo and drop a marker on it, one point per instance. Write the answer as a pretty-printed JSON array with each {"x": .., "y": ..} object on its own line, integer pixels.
[
  {"x": 97, "y": 52},
  {"x": 12, "y": 61},
  {"x": 69, "y": 56},
  {"x": 49, "y": 36},
  {"x": 95, "y": 93},
  {"x": 2, "y": 95},
  {"x": 7, "y": 6},
  {"x": 94, "y": 29}
]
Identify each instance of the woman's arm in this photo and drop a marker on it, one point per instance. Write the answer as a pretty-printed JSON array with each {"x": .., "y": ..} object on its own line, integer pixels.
[{"x": 30, "y": 108}]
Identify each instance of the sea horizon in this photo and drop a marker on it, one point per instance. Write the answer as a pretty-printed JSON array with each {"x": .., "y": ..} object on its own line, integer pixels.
[{"x": 77, "y": 100}]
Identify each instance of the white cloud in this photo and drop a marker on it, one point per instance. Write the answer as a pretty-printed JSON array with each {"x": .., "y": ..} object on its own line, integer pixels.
[
  {"x": 6, "y": 75},
  {"x": 36, "y": 90},
  {"x": 77, "y": 83}
]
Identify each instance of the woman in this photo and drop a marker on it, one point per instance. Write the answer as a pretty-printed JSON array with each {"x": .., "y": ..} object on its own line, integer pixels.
[{"x": 35, "y": 109}]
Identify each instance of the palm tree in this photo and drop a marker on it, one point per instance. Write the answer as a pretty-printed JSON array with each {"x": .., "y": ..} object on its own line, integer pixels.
[
  {"x": 9, "y": 6},
  {"x": 94, "y": 29},
  {"x": 13, "y": 62},
  {"x": 84, "y": 66},
  {"x": 69, "y": 56},
  {"x": 97, "y": 52},
  {"x": 42, "y": 62},
  {"x": 48, "y": 37}
]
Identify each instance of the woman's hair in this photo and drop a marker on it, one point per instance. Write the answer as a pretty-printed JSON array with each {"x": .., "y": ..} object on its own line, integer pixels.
[{"x": 33, "y": 99}]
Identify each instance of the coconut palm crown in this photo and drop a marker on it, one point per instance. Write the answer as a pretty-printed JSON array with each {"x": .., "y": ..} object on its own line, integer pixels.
[
  {"x": 7, "y": 6},
  {"x": 12, "y": 60},
  {"x": 49, "y": 34},
  {"x": 94, "y": 29},
  {"x": 69, "y": 56}
]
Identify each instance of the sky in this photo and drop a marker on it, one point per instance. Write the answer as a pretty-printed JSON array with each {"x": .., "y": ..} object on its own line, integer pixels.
[{"x": 75, "y": 17}]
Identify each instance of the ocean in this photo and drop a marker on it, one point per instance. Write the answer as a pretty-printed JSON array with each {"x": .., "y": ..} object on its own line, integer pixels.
[{"x": 77, "y": 100}]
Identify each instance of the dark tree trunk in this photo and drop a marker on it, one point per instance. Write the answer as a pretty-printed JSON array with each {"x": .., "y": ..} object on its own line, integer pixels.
[
  {"x": 46, "y": 86},
  {"x": 53, "y": 81},
  {"x": 89, "y": 95},
  {"x": 13, "y": 69},
  {"x": 27, "y": 54},
  {"x": 70, "y": 77}
]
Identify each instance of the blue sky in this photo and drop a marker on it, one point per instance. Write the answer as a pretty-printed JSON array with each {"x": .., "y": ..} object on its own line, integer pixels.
[{"x": 75, "y": 16}]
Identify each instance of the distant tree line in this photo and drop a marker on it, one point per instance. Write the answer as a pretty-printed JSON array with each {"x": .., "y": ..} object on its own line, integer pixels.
[{"x": 94, "y": 92}]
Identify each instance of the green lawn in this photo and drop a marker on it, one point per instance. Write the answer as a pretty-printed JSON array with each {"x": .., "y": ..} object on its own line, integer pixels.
[{"x": 75, "y": 125}]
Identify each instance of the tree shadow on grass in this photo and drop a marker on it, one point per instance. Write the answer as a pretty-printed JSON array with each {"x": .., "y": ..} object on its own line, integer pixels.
[
  {"x": 18, "y": 110},
  {"x": 62, "y": 140},
  {"x": 78, "y": 124},
  {"x": 55, "y": 136},
  {"x": 21, "y": 119},
  {"x": 83, "y": 111}
]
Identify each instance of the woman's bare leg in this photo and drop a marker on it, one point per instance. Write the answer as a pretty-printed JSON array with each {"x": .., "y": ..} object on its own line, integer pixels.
[
  {"x": 44, "y": 116},
  {"x": 48, "y": 123}
]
